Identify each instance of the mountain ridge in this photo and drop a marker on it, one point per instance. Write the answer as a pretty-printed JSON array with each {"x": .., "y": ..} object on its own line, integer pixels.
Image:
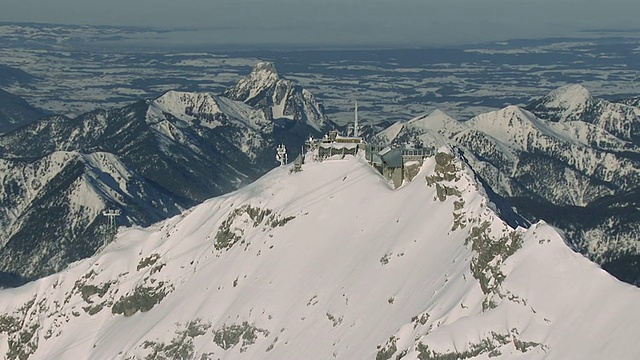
[
  {"x": 575, "y": 103},
  {"x": 73, "y": 189},
  {"x": 330, "y": 262},
  {"x": 187, "y": 147},
  {"x": 553, "y": 162}
]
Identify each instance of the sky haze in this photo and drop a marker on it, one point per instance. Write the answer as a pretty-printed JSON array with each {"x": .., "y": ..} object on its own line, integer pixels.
[{"x": 333, "y": 22}]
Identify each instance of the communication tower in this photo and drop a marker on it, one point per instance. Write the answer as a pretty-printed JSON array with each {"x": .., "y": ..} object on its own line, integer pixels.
[
  {"x": 355, "y": 125},
  {"x": 111, "y": 217}
]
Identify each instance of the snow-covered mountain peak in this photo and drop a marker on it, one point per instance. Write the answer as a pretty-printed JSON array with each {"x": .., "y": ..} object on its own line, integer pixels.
[
  {"x": 574, "y": 103},
  {"x": 280, "y": 99},
  {"x": 567, "y": 103},
  {"x": 178, "y": 149},
  {"x": 510, "y": 118},
  {"x": 511, "y": 112},
  {"x": 249, "y": 89},
  {"x": 428, "y": 127},
  {"x": 501, "y": 142},
  {"x": 437, "y": 113},
  {"x": 265, "y": 69},
  {"x": 433, "y": 120},
  {"x": 176, "y": 101},
  {"x": 569, "y": 95},
  {"x": 514, "y": 110},
  {"x": 326, "y": 263},
  {"x": 187, "y": 103},
  {"x": 262, "y": 76}
]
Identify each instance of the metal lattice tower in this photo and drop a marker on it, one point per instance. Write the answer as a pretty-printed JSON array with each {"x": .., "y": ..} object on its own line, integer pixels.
[
  {"x": 111, "y": 218},
  {"x": 281, "y": 154}
]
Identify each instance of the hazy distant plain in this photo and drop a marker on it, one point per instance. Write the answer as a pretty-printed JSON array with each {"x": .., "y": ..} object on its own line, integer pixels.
[{"x": 71, "y": 70}]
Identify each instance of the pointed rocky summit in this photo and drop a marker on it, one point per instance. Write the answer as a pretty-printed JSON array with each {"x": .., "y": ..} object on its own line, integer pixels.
[{"x": 282, "y": 100}]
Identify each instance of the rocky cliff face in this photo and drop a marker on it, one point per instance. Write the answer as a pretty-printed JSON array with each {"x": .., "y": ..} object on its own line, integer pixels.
[{"x": 280, "y": 99}]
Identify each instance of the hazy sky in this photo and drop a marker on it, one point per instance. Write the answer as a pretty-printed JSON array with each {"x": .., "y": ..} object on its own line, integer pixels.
[{"x": 399, "y": 22}]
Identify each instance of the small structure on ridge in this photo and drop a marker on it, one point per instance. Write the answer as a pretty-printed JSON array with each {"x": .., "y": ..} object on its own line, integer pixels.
[{"x": 388, "y": 160}]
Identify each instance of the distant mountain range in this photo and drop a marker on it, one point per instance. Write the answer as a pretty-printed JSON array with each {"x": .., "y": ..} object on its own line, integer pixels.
[
  {"x": 224, "y": 257},
  {"x": 150, "y": 160},
  {"x": 568, "y": 158}
]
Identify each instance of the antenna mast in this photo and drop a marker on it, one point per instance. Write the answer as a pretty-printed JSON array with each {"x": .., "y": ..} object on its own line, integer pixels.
[{"x": 355, "y": 125}]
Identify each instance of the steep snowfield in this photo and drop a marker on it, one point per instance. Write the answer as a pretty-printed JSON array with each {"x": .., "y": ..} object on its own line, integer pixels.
[{"x": 330, "y": 263}]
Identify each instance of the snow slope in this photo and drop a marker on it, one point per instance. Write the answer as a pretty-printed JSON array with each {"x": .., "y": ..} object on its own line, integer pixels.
[{"x": 330, "y": 263}]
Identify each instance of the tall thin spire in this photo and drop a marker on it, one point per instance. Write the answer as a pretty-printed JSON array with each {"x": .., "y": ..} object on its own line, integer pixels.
[{"x": 355, "y": 125}]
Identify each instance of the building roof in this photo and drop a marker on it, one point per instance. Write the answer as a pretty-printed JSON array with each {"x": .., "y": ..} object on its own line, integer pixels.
[
  {"x": 392, "y": 157},
  {"x": 347, "y": 139},
  {"x": 339, "y": 145}
]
